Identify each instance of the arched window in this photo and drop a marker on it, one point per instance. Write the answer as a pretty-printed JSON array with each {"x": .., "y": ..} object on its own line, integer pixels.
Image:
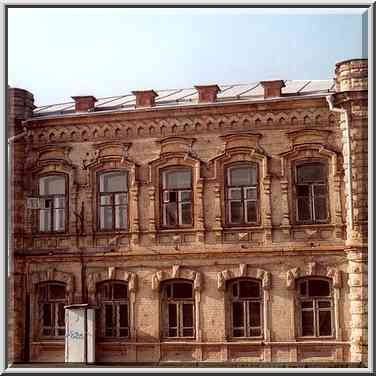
[
  {"x": 245, "y": 298},
  {"x": 51, "y": 302},
  {"x": 113, "y": 309},
  {"x": 311, "y": 192},
  {"x": 113, "y": 201},
  {"x": 315, "y": 308},
  {"x": 242, "y": 203},
  {"x": 52, "y": 203},
  {"x": 176, "y": 198},
  {"x": 178, "y": 303}
]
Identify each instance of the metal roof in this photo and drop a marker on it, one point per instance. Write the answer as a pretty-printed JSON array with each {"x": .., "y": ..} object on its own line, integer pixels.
[{"x": 189, "y": 96}]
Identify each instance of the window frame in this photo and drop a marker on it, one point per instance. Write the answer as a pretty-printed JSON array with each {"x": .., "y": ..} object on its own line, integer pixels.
[
  {"x": 315, "y": 309},
  {"x": 52, "y": 197},
  {"x": 162, "y": 191},
  {"x": 54, "y": 302},
  {"x": 179, "y": 302},
  {"x": 243, "y": 198},
  {"x": 115, "y": 304},
  {"x": 245, "y": 301},
  {"x": 113, "y": 206},
  {"x": 311, "y": 195}
]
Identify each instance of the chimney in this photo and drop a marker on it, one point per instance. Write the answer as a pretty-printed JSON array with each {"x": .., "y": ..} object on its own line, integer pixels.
[
  {"x": 145, "y": 98},
  {"x": 84, "y": 103},
  {"x": 207, "y": 93},
  {"x": 272, "y": 88}
]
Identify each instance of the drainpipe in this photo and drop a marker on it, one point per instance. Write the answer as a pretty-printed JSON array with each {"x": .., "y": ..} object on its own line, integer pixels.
[
  {"x": 329, "y": 99},
  {"x": 17, "y": 136}
]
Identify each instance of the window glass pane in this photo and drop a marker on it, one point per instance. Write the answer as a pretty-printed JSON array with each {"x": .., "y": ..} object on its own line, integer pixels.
[
  {"x": 52, "y": 185},
  {"x": 104, "y": 291},
  {"x": 325, "y": 326},
  {"x": 303, "y": 288},
  {"x": 249, "y": 289},
  {"x": 319, "y": 189},
  {"x": 320, "y": 208},
  {"x": 185, "y": 196},
  {"x": 235, "y": 211},
  {"x": 59, "y": 220},
  {"x": 177, "y": 179},
  {"x": 188, "y": 332},
  {"x": 304, "y": 212},
  {"x": 172, "y": 332},
  {"x": 57, "y": 292},
  {"x": 42, "y": 293},
  {"x": 186, "y": 214},
  {"x": 170, "y": 214},
  {"x": 59, "y": 202},
  {"x": 251, "y": 193},
  {"x": 235, "y": 289},
  {"x": 318, "y": 287},
  {"x": 255, "y": 332},
  {"x": 61, "y": 331},
  {"x": 120, "y": 217},
  {"x": 123, "y": 315},
  {"x": 311, "y": 172},
  {"x": 119, "y": 291},
  {"x": 187, "y": 315},
  {"x": 302, "y": 190},
  {"x": 47, "y": 314},
  {"x": 251, "y": 208},
  {"x": 123, "y": 332},
  {"x": 47, "y": 332},
  {"x": 307, "y": 304},
  {"x": 182, "y": 290},
  {"x": 108, "y": 316},
  {"x": 105, "y": 200},
  {"x": 61, "y": 314},
  {"x": 113, "y": 182},
  {"x": 238, "y": 314},
  {"x": 172, "y": 315},
  {"x": 307, "y": 323},
  {"x": 235, "y": 193},
  {"x": 106, "y": 217},
  {"x": 240, "y": 176},
  {"x": 121, "y": 198},
  {"x": 45, "y": 220},
  {"x": 324, "y": 304},
  {"x": 254, "y": 314},
  {"x": 238, "y": 332}
]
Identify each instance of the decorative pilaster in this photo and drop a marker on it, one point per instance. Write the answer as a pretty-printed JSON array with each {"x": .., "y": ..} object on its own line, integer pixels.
[
  {"x": 218, "y": 213},
  {"x": 152, "y": 220},
  {"x": 285, "y": 223},
  {"x": 200, "y": 235},
  {"x": 134, "y": 220},
  {"x": 267, "y": 210}
]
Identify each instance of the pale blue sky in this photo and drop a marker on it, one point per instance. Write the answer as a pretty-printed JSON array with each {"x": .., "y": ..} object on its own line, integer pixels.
[{"x": 58, "y": 53}]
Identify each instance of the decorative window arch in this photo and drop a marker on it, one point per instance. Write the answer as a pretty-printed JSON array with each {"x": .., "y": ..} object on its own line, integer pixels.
[
  {"x": 112, "y": 157},
  {"x": 310, "y": 147},
  {"x": 316, "y": 292},
  {"x": 242, "y": 149},
  {"x": 176, "y": 154},
  {"x": 185, "y": 308},
  {"x": 95, "y": 280},
  {"x": 47, "y": 302},
  {"x": 260, "y": 284}
]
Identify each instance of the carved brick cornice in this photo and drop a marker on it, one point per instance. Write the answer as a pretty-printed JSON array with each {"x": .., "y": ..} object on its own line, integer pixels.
[
  {"x": 176, "y": 272},
  {"x": 244, "y": 270}
]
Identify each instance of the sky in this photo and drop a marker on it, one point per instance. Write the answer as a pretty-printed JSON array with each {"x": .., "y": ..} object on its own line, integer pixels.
[{"x": 58, "y": 53}]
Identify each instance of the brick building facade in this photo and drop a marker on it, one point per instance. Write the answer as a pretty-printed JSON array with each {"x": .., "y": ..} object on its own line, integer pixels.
[{"x": 209, "y": 224}]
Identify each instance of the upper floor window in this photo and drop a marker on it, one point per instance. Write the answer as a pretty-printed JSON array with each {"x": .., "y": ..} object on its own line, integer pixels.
[
  {"x": 113, "y": 201},
  {"x": 242, "y": 205},
  {"x": 311, "y": 193},
  {"x": 316, "y": 308},
  {"x": 51, "y": 302},
  {"x": 52, "y": 199},
  {"x": 177, "y": 198},
  {"x": 113, "y": 309},
  {"x": 178, "y": 309},
  {"x": 246, "y": 308}
]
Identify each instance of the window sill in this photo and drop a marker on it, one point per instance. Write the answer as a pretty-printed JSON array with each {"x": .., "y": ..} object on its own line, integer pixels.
[
  {"x": 178, "y": 340},
  {"x": 244, "y": 227},
  {"x": 49, "y": 234},
  {"x": 312, "y": 338},
  {"x": 178, "y": 229}
]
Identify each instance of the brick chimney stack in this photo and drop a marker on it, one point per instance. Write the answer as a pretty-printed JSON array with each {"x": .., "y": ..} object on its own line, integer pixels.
[
  {"x": 145, "y": 98},
  {"x": 272, "y": 89},
  {"x": 84, "y": 103},
  {"x": 207, "y": 93}
]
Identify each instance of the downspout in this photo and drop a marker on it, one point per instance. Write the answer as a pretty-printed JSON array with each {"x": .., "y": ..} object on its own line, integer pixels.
[
  {"x": 329, "y": 99},
  {"x": 17, "y": 136}
]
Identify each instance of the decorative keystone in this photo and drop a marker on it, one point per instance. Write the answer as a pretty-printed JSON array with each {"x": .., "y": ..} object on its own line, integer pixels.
[
  {"x": 207, "y": 93},
  {"x": 145, "y": 98},
  {"x": 272, "y": 88},
  {"x": 84, "y": 103}
]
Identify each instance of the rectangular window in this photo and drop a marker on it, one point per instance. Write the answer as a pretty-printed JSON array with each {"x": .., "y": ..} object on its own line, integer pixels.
[
  {"x": 177, "y": 198},
  {"x": 113, "y": 201}
]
